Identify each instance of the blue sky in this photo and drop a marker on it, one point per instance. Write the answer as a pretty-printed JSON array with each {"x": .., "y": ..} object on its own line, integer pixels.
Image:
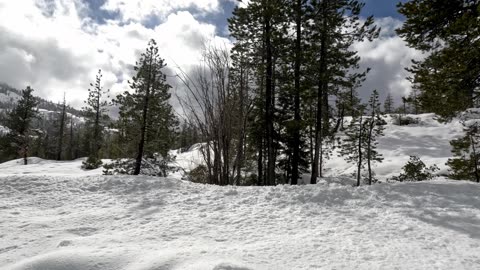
[
  {"x": 377, "y": 8},
  {"x": 69, "y": 40},
  {"x": 382, "y": 8}
]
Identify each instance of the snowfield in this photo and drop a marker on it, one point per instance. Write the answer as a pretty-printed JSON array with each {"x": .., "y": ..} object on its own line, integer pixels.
[
  {"x": 55, "y": 216},
  {"x": 111, "y": 222}
]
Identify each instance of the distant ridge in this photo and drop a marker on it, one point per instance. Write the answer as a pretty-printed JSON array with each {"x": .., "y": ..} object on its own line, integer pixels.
[{"x": 9, "y": 96}]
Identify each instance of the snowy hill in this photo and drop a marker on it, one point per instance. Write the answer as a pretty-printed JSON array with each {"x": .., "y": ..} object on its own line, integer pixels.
[
  {"x": 428, "y": 139},
  {"x": 55, "y": 216}
]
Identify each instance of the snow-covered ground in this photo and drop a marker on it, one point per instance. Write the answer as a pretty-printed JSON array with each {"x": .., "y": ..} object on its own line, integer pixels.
[
  {"x": 55, "y": 216},
  {"x": 429, "y": 140},
  {"x": 112, "y": 222}
]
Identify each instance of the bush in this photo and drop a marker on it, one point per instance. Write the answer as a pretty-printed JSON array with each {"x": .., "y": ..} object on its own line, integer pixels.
[
  {"x": 91, "y": 163},
  {"x": 400, "y": 120},
  {"x": 199, "y": 175},
  {"x": 152, "y": 166},
  {"x": 416, "y": 170}
]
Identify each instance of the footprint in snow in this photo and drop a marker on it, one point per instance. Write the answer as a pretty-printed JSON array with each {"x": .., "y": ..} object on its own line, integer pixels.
[
  {"x": 2, "y": 250},
  {"x": 65, "y": 243},
  {"x": 83, "y": 231}
]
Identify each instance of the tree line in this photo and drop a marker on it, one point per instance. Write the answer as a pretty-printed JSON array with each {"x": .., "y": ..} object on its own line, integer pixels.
[{"x": 273, "y": 108}]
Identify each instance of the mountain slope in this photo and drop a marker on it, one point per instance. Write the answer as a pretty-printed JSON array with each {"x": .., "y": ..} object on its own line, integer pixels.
[{"x": 9, "y": 96}]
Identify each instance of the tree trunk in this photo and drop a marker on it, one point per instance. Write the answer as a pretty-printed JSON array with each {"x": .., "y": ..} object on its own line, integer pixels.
[
  {"x": 241, "y": 136},
  {"x": 475, "y": 159},
  {"x": 298, "y": 57},
  {"x": 60, "y": 135},
  {"x": 143, "y": 129},
  {"x": 25, "y": 154},
  {"x": 269, "y": 103},
  {"x": 320, "y": 118},
  {"x": 71, "y": 153},
  {"x": 369, "y": 149},
  {"x": 360, "y": 157},
  {"x": 260, "y": 163}
]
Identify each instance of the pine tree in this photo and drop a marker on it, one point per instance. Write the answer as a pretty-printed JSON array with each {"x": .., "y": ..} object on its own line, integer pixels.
[
  {"x": 260, "y": 31},
  {"x": 360, "y": 143},
  {"x": 465, "y": 164},
  {"x": 375, "y": 129},
  {"x": 388, "y": 104},
  {"x": 19, "y": 122},
  {"x": 61, "y": 132},
  {"x": 448, "y": 78},
  {"x": 353, "y": 145},
  {"x": 95, "y": 112},
  {"x": 146, "y": 115},
  {"x": 334, "y": 26}
]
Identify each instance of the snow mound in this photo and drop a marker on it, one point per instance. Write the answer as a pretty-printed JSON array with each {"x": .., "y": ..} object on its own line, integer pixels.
[
  {"x": 149, "y": 223},
  {"x": 39, "y": 166},
  {"x": 81, "y": 259}
]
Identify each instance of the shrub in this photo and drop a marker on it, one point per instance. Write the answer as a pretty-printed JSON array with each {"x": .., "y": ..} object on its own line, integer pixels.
[
  {"x": 199, "y": 175},
  {"x": 153, "y": 166},
  {"x": 92, "y": 163},
  {"x": 416, "y": 170},
  {"x": 400, "y": 120}
]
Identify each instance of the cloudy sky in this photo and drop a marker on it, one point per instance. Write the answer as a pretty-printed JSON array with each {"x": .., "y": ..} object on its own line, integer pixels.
[{"x": 57, "y": 46}]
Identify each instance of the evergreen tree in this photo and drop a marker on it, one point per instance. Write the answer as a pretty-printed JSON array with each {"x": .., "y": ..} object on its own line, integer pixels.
[
  {"x": 260, "y": 30},
  {"x": 95, "y": 113},
  {"x": 353, "y": 145},
  {"x": 414, "y": 101},
  {"x": 360, "y": 143},
  {"x": 448, "y": 79},
  {"x": 334, "y": 25},
  {"x": 146, "y": 116},
  {"x": 61, "y": 129},
  {"x": 415, "y": 170},
  {"x": 388, "y": 104},
  {"x": 465, "y": 164},
  {"x": 375, "y": 129},
  {"x": 19, "y": 122}
]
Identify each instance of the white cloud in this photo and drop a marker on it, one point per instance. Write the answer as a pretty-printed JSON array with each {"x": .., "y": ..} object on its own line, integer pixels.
[
  {"x": 387, "y": 56},
  {"x": 139, "y": 10},
  {"x": 54, "y": 47}
]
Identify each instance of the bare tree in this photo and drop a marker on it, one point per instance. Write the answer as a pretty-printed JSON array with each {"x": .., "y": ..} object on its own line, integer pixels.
[{"x": 219, "y": 111}]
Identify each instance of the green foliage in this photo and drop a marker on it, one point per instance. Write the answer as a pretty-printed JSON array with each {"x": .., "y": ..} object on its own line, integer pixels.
[
  {"x": 95, "y": 114},
  {"x": 19, "y": 122},
  {"x": 152, "y": 166},
  {"x": 416, "y": 170},
  {"x": 199, "y": 175},
  {"x": 403, "y": 120},
  {"x": 388, "y": 104},
  {"x": 360, "y": 142},
  {"x": 465, "y": 164},
  {"x": 147, "y": 108},
  {"x": 447, "y": 79},
  {"x": 92, "y": 163}
]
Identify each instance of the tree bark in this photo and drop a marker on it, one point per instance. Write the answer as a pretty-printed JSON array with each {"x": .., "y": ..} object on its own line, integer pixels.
[
  {"x": 297, "y": 119},
  {"x": 360, "y": 157},
  {"x": 475, "y": 159},
  {"x": 60, "y": 135},
  {"x": 141, "y": 144},
  {"x": 369, "y": 149},
  {"x": 320, "y": 124},
  {"x": 269, "y": 103}
]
